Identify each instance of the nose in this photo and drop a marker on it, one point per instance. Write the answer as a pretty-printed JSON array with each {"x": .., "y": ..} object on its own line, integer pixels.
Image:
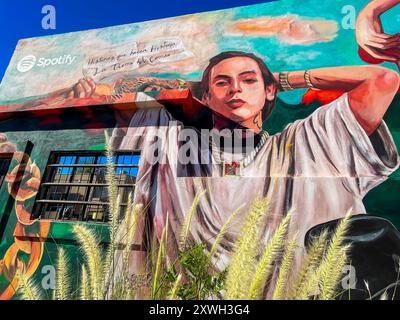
[{"x": 235, "y": 87}]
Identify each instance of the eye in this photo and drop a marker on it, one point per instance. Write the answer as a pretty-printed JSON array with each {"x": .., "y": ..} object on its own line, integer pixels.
[
  {"x": 250, "y": 80},
  {"x": 221, "y": 83}
]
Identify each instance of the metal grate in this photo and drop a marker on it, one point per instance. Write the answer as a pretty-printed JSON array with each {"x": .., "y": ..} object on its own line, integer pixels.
[{"x": 74, "y": 186}]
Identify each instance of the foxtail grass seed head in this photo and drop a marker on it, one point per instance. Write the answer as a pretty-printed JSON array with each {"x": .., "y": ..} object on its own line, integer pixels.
[
  {"x": 92, "y": 254},
  {"x": 384, "y": 296},
  {"x": 281, "y": 287},
  {"x": 62, "y": 279},
  {"x": 174, "y": 291},
  {"x": 84, "y": 285},
  {"x": 272, "y": 250},
  {"x": 329, "y": 266},
  {"x": 28, "y": 289},
  {"x": 222, "y": 232},
  {"x": 309, "y": 266},
  {"x": 160, "y": 256},
  {"x": 241, "y": 268},
  {"x": 188, "y": 219}
]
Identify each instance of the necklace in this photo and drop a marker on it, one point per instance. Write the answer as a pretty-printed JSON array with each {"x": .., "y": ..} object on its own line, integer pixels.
[{"x": 234, "y": 168}]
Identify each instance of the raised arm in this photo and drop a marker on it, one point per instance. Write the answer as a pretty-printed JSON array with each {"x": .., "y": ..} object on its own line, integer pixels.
[
  {"x": 383, "y": 5},
  {"x": 370, "y": 89},
  {"x": 370, "y": 35}
]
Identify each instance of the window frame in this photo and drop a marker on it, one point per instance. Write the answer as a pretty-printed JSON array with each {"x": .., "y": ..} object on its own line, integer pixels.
[{"x": 43, "y": 201}]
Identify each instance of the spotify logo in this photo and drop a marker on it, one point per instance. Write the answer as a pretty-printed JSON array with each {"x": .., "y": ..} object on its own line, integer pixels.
[{"x": 26, "y": 63}]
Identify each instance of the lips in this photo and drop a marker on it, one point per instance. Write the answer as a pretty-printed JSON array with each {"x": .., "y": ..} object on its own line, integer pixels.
[{"x": 236, "y": 103}]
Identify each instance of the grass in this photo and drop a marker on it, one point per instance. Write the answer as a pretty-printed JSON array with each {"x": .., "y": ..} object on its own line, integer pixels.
[{"x": 63, "y": 285}]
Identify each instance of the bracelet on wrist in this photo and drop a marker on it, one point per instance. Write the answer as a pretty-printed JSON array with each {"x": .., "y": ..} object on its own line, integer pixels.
[
  {"x": 307, "y": 79},
  {"x": 284, "y": 81}
]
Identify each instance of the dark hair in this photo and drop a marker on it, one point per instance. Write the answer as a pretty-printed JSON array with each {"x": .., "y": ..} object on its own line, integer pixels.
[{"x": 266, "y": 74}]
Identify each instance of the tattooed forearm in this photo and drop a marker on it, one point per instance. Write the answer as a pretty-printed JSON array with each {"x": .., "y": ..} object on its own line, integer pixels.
[{"x": 147, "y": 84}]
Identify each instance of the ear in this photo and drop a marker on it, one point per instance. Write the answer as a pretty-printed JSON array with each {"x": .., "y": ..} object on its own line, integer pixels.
[
  {"x": 205, "y": 99},
  {"x": 270, "y": 91},
  {"x": 195, "y": 90}
]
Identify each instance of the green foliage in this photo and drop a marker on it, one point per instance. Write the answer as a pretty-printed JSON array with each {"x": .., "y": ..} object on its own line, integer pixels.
[{"x": 201, "y": 283}]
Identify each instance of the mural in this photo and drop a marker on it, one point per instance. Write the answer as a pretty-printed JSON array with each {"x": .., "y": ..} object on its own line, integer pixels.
[{"x": 278, "y": 99}]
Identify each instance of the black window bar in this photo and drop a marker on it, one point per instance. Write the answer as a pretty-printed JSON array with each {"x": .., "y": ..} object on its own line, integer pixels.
[
  {"x": 74, "y": 186},
  {"x": 5, "y": 160}
]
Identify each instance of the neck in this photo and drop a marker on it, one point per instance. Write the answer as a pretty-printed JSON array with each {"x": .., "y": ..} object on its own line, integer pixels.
[
  {"x": 254, "y": 124},
  {"x": 250, "y": 134}
]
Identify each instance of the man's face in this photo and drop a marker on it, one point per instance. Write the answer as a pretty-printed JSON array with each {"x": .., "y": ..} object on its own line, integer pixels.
[{"x": 236, "y": 89}]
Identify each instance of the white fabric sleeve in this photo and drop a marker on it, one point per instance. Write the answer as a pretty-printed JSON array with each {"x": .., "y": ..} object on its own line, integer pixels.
[
  {"x": 150, "y": 119},
  {"x": 331, "y": 143}
]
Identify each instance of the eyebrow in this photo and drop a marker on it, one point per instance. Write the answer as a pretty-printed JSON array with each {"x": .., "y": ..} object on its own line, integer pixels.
[
  {"x": 223, "y": 76},
  {"x": 247, "y": 72}
]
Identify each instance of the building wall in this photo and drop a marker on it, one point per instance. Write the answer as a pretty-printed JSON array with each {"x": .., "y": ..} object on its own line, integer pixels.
[{"x": 41, "y": 112}]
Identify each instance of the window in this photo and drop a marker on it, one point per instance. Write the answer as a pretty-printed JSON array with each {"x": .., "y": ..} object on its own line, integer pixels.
[
  {"x": 5, "y": 161},
  {"x": 74, "y": 186}
]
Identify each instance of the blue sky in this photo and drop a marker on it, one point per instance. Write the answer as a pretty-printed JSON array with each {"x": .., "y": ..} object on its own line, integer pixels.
[{"x": 22, "y": 18}]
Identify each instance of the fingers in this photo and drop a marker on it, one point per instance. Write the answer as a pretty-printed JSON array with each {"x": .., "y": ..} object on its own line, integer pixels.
[
  {"x": 3, "y": 137},
  {"x": 84, "y": 88},
  {"x": 378, "y": 55},
  {"x": 71, "y": 94},
  {"x": 383, "y": 41},
  {"x": 92, "y": 84},
  {"x": 5, "y": 145},
  {"x": 385, "y": 36},
  {"x": 383, "y": 46},
  {"x": 393, "y": 39},
  {"x": 79, "y": 92}
]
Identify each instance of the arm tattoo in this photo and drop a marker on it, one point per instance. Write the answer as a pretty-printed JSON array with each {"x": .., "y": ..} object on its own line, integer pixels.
[
  {"x": 146, "y": 84},
  {"x": 317, "y": 79},
  {"x": 257, "y": 121}
]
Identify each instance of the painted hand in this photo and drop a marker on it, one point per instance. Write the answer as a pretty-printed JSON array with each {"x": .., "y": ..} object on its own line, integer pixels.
[
  {"x": 84, "y": 88},
  {"x": 375, "y": 45},
  {"x": 5, "y": 145}
]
